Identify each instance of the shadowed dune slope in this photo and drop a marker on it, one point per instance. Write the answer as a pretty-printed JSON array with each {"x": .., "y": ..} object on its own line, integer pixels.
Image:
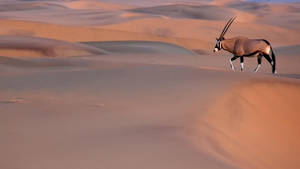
[
  {"x": 257, "y": 124},
  {"x": 188, "y": 11},
  {"x": 28, "y": 5},
  {"x": 33, "y": 46},
  {"x": 140, "y": 47},
  {"x": 250, "y": 6},
  {"x": 18, "y": 46},
  {"x": 81, "y": 13},
  {"x": 288, "y": 50}
]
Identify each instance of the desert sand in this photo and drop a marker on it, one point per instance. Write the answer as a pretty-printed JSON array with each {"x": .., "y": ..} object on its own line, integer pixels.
[{"x": 116, "y": 84}]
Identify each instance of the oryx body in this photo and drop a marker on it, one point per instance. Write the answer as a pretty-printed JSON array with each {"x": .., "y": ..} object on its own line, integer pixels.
[{"x": 242, "y": 47}]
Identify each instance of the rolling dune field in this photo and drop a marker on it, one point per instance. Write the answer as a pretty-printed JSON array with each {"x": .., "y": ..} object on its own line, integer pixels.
[{"x": 131, "y": 84}]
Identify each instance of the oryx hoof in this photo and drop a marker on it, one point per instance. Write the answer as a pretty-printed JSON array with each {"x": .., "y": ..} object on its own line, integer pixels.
[
  {"x": 257, "y": 68},
  {"x": 242, "y": 67}
]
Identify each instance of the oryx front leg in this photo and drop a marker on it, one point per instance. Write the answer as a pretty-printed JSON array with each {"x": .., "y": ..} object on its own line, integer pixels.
[
  {"x": 231, "y": 62},
  {"x": 258, "y": 64}
]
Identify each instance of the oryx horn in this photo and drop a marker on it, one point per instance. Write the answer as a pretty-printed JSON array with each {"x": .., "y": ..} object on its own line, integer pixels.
[{"x": 226, "y": 27}]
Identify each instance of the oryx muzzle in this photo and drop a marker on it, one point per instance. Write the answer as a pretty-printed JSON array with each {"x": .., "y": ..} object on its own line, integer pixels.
[{"x": 242, "y": 47}]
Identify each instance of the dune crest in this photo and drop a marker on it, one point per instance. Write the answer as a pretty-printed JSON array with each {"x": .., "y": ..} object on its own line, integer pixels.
[{"x": 223, "y": 2}]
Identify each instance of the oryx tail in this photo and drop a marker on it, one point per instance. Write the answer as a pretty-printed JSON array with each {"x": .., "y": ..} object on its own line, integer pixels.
[{"x": 272, "y": 55}]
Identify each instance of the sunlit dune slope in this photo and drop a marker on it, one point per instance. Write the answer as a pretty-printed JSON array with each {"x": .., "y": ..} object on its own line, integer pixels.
[
  {"x": 256, "y": 125},
  {"x": 93, "y": 4}
]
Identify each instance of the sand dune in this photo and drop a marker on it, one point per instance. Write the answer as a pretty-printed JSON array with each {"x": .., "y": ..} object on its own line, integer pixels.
[
  {"x": 288, "y": 50},
  {"x": 134, "y": 84},
  {"x": 81, "y": 34},
  {"x": 17, "y": 46},
  {"x": 28, "y": 5},
  {"x": 93, "y": 4},
  {"x": 187, "y": 11},
  {"x": 103, "y": 114},
  {"x": 256, "y": 7},
  {"x": 63, "y": 12},
  {"x": 207, "y": 31},
  {"x": 140, "y": 47},
  {"x": 223, "y": 2},
  {"x": 284, "y": 15},
  {"x": 253, "y": 127}
]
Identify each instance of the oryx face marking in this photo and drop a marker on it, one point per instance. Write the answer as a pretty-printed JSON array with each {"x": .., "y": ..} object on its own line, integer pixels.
[{"x": 218, "y": 45}]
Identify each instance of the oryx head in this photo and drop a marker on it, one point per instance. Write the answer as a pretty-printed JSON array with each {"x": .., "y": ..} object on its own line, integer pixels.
[{"x": 221, "y": 38}]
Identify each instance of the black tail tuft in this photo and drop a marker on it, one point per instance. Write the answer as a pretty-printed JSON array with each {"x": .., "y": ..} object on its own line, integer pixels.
[{"x": 274, "y": 61}]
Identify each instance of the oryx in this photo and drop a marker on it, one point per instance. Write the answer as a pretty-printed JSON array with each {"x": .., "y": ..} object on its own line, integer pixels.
[{"x": 242, "y": 47}]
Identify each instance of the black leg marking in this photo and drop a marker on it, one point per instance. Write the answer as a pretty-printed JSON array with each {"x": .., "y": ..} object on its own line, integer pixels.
[
  {"x": 242, "y": 59},
  {"x": 231, "y": 60},
  {"x": 259, "y": 59},
  {"x": 234, "y": 58},
  {"x": 242, "y": 63}
]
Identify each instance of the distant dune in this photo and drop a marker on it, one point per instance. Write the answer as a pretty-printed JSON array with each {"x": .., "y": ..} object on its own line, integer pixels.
[
  {"x": 28, "y": 6},
  {"x": 258, "y": 8},
  {"x": 92, "y": 4},
  {"x": 188, "y": 11}
]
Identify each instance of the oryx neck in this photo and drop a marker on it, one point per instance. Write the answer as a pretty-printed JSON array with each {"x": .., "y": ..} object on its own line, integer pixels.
[
  {"x": 228, "y": 44},
  {"x": 221, "y": 46}
]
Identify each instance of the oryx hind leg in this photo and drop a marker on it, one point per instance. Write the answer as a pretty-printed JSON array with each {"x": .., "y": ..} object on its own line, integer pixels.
[
  {"x": 269, "y": 59},
  {"x": 231, "y": 62},
  {"x": 258, "y": 63}
]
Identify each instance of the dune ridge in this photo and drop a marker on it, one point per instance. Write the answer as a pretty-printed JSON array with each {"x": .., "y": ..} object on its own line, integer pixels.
[{"x": 256, "y": 124}]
